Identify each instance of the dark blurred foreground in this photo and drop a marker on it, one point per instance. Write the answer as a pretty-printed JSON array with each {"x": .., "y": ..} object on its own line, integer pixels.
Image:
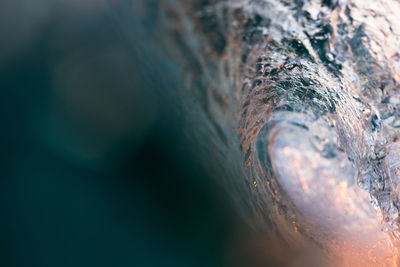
[{"x": 97, "y": 166}]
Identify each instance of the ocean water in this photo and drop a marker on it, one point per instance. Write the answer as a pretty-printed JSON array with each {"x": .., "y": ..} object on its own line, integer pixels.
[
  {"x": 200, "y": 133},
  {"x": 311, "y": 88}
]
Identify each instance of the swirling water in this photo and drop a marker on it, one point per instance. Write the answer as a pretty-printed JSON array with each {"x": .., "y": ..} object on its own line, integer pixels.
[
  {"x": 312, "y": 88},
  {"x": 321, "y": 85}
]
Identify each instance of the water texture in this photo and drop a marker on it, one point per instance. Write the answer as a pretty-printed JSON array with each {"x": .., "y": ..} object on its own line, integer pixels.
[{"x": 312, "y": 89}]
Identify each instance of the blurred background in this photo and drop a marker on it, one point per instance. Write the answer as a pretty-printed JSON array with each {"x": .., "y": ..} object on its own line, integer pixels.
[{"x": 95, "y": 167}]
